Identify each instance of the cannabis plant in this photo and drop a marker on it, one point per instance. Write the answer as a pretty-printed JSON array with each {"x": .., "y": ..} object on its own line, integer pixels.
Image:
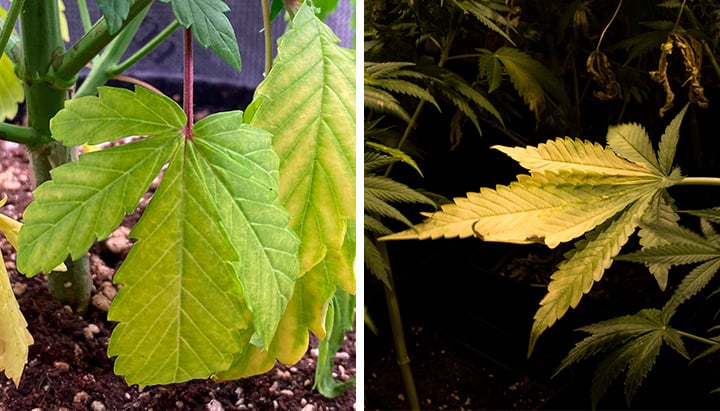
[{"x": 598, "y": 196}]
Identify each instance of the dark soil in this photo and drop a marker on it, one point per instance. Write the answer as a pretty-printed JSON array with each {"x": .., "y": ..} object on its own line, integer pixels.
[{"x": 68, "y": 368}]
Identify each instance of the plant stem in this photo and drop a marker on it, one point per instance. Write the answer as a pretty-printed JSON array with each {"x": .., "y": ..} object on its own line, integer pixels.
[
  {"x": 699, "y": 181},
  {"x": 104, "y": 64},
  {"x": 188, "y": 81},
  {"x": 18, "y": 134},
  {"x": 444, "y": 53},
  {"x": 88, "y": 46},
  {"x": 403, "y": 360},
  {"x": 267, "y": 33},
  {"x": 42, "y": 42},
  {"x": 10, "y": 19},
  {"x": 84, "y": 15},
  {"x": 146, "y": 49},
  {"x": 698, "y": 338}
]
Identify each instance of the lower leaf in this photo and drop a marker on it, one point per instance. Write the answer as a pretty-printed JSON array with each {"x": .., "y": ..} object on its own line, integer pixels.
[{"x": 575, "y": 276}]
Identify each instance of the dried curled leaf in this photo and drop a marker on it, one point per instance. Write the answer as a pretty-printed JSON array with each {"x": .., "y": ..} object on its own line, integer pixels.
[
  {"x": 599, "y": 67},
  {"x": 691, "y": 51}
]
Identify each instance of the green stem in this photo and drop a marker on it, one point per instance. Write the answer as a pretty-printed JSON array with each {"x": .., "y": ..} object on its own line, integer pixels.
[
  {"x": 699, "y": 181},
  {"x": 69, "y": 64},
  {"x": 104, "y": 65},
  {"x": 188, "y": 81},
  {"x": 403, "y": 359},
  {"x": 84, "y": 15},
  {"x": 444, "y": 56},
  {"x": 698, "y": 338},
  {"x": 42, "y": 43},
  {"x": 267, "y": 32},
  {"x": 10, "y": 20},
  {"x": 146, "y": 49},
  {"x": 18, "y": 134}
]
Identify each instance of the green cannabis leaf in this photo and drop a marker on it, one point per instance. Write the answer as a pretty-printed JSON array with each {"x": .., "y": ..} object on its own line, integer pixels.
[
  {"x": 115, "y": 12},
  {"x": 634, "y": 342},
  {"x": 383, "y": 78},
  {"x": 210, "y": 26},
  {"x": 215, "y": 260},
  {"x": 574, "y": 187},
  {"x": 340, "y": 318},
  {"x": 532, "y": 80},
  {"x": 682, "y": 246},
  {"x": 486, "y": 11}
]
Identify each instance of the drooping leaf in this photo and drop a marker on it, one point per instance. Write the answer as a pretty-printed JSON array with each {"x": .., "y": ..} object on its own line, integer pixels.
[
  {"x": 490, "y": 68},
  {"x": 339, "y": 319},
  {"x": 14, "y": 336},
  {"x": 11, "y": 89},
  {"x": 210, "y": 26},
  {"x": 116, "y": 113},
  {"x": 531, "y": 79},
  {"x": 382, "y": 101},
  {"x": 309, "y": 107},
  {"x": 86, "y": 200},
  {"x": 115, "y": 12},
  {"x": 576, "y": 275}
]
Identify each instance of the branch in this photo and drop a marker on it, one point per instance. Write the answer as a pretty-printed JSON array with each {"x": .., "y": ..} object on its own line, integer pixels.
[{"x": 84, "y": 50}]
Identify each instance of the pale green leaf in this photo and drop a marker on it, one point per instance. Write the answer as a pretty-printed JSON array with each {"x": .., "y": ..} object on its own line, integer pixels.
[
  {"x": 11, "y": 89},
  {"x": 309, "y": 107},
  {"x": 669, "y": 141},
  {"x": 210, "y": 27},
  {"x": 241, "y": 174},
  {"x": 116, "y": 113},
  {"x": 64, "y": 30},
  {"x": 632, "y": 142},
  {"x": 86, "y": 200},
  {"x": 180, "y": 308},
  {"x": 545, "y": 208},
  {"x": 575, "y": 276},
  {"x": 14, "y": 336},
  {"x": 574, "y": 155}
]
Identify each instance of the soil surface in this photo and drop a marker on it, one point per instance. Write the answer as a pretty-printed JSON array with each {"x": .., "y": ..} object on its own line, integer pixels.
[{"x": 68, "y": 367}]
